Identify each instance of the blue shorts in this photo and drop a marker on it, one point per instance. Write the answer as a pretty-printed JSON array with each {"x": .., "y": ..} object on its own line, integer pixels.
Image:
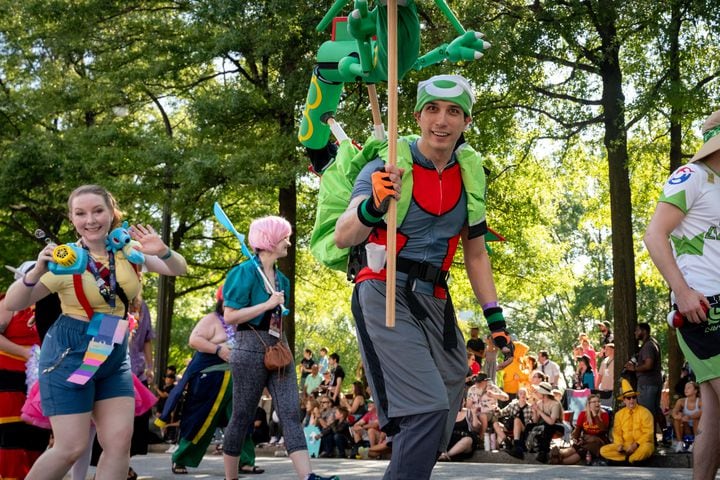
[{"x": 62, "y": 353}]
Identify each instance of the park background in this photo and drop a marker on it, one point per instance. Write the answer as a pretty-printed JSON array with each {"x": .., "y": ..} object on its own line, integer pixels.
[{"x": 584, "y": 108}]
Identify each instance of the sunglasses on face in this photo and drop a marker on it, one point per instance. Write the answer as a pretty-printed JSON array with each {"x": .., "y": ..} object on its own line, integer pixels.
[{"x": 631, "y": 397}]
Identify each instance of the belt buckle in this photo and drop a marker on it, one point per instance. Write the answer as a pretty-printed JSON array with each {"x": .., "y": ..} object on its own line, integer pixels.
[
  {"x": 422, "y": 271},
  {"x": 435, "y": 274}
]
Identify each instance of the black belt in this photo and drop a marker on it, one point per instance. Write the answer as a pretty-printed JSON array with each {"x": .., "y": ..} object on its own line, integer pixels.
[
  {"x": 429, "y": 273},
  {"x": 242, "y": 327},
  {"x": 423, "y": 271}
]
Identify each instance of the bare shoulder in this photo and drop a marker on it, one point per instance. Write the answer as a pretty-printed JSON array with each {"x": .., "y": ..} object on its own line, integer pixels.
[{"x": 208, "y": 324}]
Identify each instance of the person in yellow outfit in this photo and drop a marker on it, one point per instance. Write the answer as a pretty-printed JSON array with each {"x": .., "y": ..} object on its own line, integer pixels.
[
  {"x": 513, "y": 375},
  {"x": 633, "y": 430}
]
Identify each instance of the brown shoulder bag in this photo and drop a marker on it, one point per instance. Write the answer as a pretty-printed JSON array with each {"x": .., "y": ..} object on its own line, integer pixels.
[{"x": 277, "y": 356}]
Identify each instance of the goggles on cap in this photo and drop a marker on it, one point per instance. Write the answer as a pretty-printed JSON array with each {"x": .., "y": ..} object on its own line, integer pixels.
[{"x": 450, "y": 88}]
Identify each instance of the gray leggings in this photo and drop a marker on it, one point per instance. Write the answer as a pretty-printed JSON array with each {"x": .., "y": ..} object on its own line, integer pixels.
[{"x": 250, "y": 377}]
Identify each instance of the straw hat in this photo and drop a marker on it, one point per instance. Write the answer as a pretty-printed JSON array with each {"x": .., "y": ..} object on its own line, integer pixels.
[
  {"x": 544, "y": 388},
  {"x": 711, "y": 136}
]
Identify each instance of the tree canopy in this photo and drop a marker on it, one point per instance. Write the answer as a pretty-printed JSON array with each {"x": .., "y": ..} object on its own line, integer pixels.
[{"x": 584, "y": 108}]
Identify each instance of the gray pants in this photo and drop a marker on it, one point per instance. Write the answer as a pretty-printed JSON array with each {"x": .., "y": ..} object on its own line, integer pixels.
[
  {"x": 250, "y": 377},
  {"x": 417, "y": 385},
  {"x": 649, "y": 398}
]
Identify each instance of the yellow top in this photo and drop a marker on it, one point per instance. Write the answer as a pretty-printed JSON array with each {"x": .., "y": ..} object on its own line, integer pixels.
[{"x": 63, "y": 285}]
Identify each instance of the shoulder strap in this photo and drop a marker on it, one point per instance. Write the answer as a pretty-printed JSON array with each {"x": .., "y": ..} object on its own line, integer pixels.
[
  {"x": 80, "y": 294},
  {"x": 258, "y": 335}
]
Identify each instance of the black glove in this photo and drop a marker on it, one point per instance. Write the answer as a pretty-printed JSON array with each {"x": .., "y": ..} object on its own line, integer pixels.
[{"x": 498, "y": 331}]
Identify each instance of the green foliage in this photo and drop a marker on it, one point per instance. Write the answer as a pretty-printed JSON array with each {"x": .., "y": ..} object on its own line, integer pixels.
[{"x": 213, "y": 92}]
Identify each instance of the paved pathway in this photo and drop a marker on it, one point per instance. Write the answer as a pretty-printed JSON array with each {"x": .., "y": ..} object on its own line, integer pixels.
[{"x": 157, "y": 466}]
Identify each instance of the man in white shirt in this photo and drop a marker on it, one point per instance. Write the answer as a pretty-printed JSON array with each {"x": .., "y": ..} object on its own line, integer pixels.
[
  {"x": 549, "y": 368},
  {"x": 606, "y": 376}
]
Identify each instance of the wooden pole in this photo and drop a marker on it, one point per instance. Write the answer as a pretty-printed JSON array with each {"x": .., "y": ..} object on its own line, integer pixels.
[
  {"x": 378, "y": 127},
  {"x": 391, "y": 218}
]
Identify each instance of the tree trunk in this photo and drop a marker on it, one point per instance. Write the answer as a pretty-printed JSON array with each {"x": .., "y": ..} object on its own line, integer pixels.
[
  {"x": 677, "y": 111},
  {"x": 165, "y": 298},
  {"x": 288, "y": 209},
  {"x": 613, "y": 102}
]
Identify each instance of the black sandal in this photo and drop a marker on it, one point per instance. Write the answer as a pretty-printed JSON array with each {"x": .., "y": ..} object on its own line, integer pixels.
[
  {"x": 132, "y": 474},
  {"x": 179, "y": 469},
  {"x": 251, "y": 469}
]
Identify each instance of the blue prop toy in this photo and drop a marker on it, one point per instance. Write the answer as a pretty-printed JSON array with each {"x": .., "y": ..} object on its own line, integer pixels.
[
  {"x": 225, "y": 222},
  {"x": 120, "y": 240},
  {"x": 68, "y": 259}
]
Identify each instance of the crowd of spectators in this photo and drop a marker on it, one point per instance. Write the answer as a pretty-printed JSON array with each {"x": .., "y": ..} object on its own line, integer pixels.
[{"x": 526, "y": 404}]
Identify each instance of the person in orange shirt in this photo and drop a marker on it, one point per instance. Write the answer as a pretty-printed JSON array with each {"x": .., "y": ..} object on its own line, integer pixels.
[{"x": 513, "y": 374}]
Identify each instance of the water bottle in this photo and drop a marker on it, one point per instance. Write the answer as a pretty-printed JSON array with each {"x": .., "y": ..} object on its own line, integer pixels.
[
  {"x": 588, "y": 458},
  {"x": 486, "y": 443},
  {"x": 492, "y": 441}
]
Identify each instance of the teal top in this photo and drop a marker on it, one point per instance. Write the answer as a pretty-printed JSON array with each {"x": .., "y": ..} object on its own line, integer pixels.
[{"x": 244, "y": 287}]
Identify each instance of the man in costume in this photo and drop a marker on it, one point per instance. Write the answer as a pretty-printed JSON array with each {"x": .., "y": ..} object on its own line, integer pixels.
[
  {"x": 632, "y": 430},
  {"x": 417, "y": 369},
  {"x": 684, "y": 244}
]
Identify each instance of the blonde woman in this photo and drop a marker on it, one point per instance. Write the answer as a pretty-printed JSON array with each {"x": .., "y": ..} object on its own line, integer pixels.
[
  {"x": 100, "y": 293},
  {"x": 590, "y": 433}
]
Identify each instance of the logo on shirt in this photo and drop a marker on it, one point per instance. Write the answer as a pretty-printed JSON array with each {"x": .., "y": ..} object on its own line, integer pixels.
[{"x": 680, "y": 175}]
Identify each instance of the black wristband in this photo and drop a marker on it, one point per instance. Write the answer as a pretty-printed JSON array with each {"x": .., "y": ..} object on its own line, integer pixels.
[
  {"x": 495, "y": 319},
  {"x": 368, "y": 214},
  {"x": 217, "y": 350},
  {"x": 26, "y": 283},
  {"x": 372, "y": 210}
]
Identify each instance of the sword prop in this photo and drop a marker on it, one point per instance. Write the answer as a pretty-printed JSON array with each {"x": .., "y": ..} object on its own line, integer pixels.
[{"x": 225, "y": 222}]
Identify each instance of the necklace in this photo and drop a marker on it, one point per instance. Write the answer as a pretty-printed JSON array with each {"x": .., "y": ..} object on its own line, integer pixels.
[
  {"x": 106, "y": 282},
  {"x": 229, "y": 331}
]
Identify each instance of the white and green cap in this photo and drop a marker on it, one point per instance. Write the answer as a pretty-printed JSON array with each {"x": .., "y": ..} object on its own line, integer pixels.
[{"x": 451, "y": 88}]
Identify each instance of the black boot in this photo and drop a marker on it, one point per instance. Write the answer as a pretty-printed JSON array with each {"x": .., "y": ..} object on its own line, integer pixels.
[
  {"x": 354, "y": 450},
  {"x": 516, "y": 450}
]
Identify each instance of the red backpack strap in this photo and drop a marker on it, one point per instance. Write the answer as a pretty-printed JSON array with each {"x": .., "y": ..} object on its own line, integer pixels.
[{"x": 80, "y": 294}]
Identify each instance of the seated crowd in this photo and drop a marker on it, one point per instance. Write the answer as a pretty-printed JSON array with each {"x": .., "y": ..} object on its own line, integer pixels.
[{"x": 516, "y": 406}]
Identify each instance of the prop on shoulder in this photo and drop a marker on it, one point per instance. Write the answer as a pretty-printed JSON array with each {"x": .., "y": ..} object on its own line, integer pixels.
[
  {"x": 71, "y": 259},
  {"x": 357, "y": 51},
  {"x": 227, "y": 223}
]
